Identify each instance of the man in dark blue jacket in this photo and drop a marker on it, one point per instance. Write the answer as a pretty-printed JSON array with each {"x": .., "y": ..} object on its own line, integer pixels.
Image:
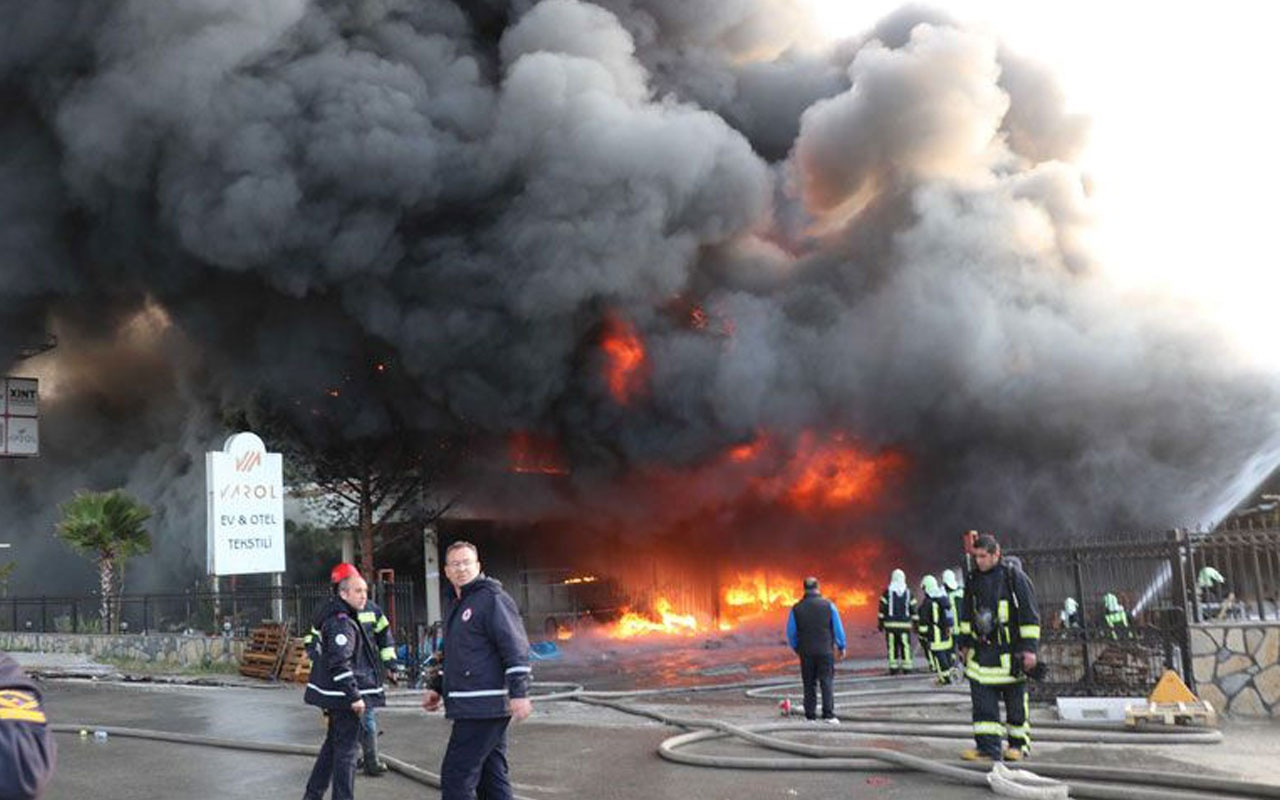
[
  {"x": 816, "y": 634},
  {"x": 345, "y": 680},
  {"x": 26, "y": 748},
  {"x": 378, "y": 627},
  {"x": 485, "y": 680}
]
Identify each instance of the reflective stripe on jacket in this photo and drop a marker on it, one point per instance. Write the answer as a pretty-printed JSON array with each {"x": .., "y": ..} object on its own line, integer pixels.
[{"x": 347, "y": 667}]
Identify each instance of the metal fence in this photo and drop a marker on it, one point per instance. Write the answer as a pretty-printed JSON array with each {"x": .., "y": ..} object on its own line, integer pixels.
[
  {"x": 231, "y": 612},
  {"x": 1155, "y": 579},
  {"x": 1249, "y": 560},
  {"x": 1094, "y": 659}
]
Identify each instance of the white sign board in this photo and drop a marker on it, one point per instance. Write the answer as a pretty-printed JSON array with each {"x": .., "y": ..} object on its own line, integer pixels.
[
  {"x": 19, "y": 417},
  {"x": 246, "y": 508}
]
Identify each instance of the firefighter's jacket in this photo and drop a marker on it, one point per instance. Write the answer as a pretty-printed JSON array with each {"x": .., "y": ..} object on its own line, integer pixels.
[
  {"x": 374, "y": 622},
  {"x": 1116, "y": 620},
  {"x": 898, "y": 612},
  {"x": 346, "y": 668},
  {"x": 998, "y": 619},
  {"x": 935, "y": 623},
  {"x": 27, "y": 752},
  {"x": 486, "y": 653}
]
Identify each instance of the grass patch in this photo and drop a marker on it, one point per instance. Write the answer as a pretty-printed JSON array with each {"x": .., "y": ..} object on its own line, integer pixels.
[{"x": 133, "y": 666}]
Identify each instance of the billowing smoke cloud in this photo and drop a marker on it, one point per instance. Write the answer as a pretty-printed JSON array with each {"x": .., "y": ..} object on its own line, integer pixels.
[{"x": 885, "y": 240}]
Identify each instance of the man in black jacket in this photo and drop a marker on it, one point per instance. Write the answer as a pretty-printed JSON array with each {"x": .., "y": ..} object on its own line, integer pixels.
[
  {"x": 999, "y": 633},
  {"x": 378, "y": 628},
  {"x": 26, "y": 748},
  {"x": 345, "y": 680},
  {"x": 485, "y": 680},
  {"x": 816, "y": 634}
]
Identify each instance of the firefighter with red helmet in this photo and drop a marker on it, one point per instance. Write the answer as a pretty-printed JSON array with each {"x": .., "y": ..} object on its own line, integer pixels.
[
  {"x": 346, "y": 679},
  {"x": 376, "y": 624}
]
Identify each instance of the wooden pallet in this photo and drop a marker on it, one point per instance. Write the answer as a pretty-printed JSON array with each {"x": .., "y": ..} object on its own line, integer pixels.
[
  {"x": 265, "y": 651},
  {"x": 296, "y": 666},
  {"x": 1170, "y": 714}
]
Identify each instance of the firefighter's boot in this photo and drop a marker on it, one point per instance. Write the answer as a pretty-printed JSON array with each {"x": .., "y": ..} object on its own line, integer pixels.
[{"x": 370, "y": 762}]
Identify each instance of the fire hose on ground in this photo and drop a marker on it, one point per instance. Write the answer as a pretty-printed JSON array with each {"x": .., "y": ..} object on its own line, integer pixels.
[{"x": 1049, "y": 782}]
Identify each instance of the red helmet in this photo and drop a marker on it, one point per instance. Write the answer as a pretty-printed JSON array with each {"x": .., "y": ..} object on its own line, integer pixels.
[{"x": 341, "y": 572}]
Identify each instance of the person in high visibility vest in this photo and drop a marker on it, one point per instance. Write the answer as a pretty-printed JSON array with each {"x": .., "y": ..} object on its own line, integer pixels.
[
  {"x": 1115, "y": 617},
  {"x": 934, "y": 628},
  {"x": 955, "y": 593},
  {"x": 998, "y": 637},
  {"x": 898, "y": 614}
]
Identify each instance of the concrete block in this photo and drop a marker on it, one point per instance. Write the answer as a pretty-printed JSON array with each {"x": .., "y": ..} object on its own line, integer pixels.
[{"x": 1096, "y": 709}]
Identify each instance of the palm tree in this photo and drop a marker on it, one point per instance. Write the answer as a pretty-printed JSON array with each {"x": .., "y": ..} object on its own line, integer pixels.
[{"x": 109, "y": 527}]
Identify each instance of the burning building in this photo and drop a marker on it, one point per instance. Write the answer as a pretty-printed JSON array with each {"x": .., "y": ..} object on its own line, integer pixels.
[{"x": 741, "y": 306}]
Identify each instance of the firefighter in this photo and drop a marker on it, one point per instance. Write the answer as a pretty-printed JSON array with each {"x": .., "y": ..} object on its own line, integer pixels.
[
  {"x": 376, "y": 624},
  {"x": 346, "y": 679},
  {"x": 999, "y": 634},
  {"x": 955, "y": 593},
  {"x": 934, "y": 628},
  {"x": 1069, "y": 616},
  {"x": 898, "y": 615},
  {"x": 1215, "y": 600},
  {"x": 27, "y": 751},
  {"x": 1115, "y": 617}
]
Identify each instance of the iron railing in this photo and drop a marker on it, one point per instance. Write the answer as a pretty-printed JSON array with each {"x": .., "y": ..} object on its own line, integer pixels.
[
  {"x": 1155, "y": 579},
  {"x": 228, "y": 613}
]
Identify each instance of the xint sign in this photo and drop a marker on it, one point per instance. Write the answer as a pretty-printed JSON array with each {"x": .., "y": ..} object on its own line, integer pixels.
[{"x": 19, "y": 417}]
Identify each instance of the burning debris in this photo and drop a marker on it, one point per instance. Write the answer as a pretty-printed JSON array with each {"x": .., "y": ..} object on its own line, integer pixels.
[{"x": 888, "y": 325}]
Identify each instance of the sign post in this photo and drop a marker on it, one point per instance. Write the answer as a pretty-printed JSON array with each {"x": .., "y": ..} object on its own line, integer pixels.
[
  {"x": 246, "y": 511},
  {"x": 20, "y": 417}
]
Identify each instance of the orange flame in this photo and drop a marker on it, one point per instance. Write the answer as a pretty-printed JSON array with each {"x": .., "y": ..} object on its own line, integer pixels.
[
  {"x": 533, "y": 453},
  {"x": 835, "y": 474},
  {"x": 747, "y": 452},
  {"x": 625, "y": 355},
  {"x": 662, "y": 621},
  {"x": 758, "y": 593}
]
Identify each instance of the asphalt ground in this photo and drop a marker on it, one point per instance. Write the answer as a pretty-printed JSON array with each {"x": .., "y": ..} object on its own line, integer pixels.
[{"x": 567, "y": 749}]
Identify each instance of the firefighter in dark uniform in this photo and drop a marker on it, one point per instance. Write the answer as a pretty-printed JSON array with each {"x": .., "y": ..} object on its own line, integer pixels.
[
  {"x": 935, "y": 627},
  {"x": 816, "y": 634},
  {"x": 345, "y": 680},
  {"x": 999, "y": 634},
  {"x": 27, "y": 752},
  {"x": 484, "y": 682},
  {"x": 376, "y": 624},
  {"x": 898, "y": 614}
]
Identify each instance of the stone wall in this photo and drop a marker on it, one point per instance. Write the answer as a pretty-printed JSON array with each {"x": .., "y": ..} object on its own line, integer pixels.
[
  {"x": 1237, "y": 667},
  {"x": 168, "y": 648}
]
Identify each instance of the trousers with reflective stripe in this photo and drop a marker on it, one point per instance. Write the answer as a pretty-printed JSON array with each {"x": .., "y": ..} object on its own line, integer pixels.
[{"x": 988, "y": 732}]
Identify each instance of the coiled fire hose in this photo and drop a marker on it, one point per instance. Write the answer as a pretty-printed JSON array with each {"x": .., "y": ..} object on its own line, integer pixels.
[{"x": 1046, "y": 783}]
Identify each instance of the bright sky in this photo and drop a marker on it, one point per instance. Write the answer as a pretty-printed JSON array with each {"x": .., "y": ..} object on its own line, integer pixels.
[{"x": 1185, "y": 145}]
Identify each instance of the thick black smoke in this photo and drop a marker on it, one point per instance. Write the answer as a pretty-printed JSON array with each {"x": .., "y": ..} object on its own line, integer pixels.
[{"x": 215, "y": 199}]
